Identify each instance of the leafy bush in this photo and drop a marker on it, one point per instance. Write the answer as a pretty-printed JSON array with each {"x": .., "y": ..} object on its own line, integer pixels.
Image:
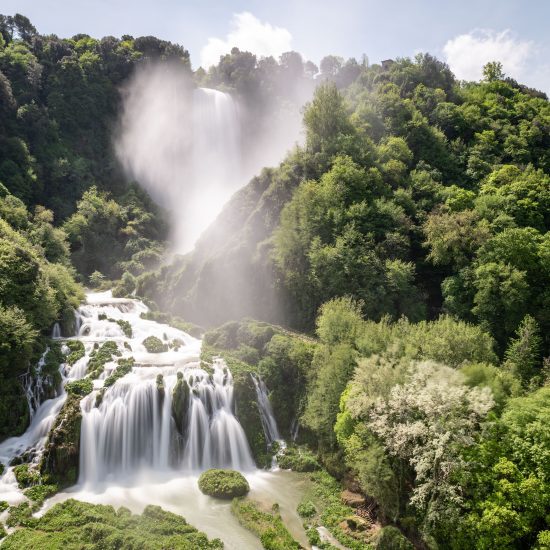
[
  {"x": 306, "y": 509},
  {"x": 223, "y": 483}
]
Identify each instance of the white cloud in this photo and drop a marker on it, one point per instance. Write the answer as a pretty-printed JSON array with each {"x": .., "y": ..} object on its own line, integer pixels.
[
  {"x": 250, "y": 34},
  {"x": 467, "y": 53}
]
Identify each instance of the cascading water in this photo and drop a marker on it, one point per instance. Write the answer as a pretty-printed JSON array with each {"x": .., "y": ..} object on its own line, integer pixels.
[
  {"x": 183, "y": 144},
  {"x": 168, "y": 412},
  {"x": 145, "y": 438},
  {"x": 266, "y": 411}
]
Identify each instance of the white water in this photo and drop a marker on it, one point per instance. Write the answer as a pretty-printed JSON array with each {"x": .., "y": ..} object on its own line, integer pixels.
[
  {"x": 132, "y": 453},
  {"x": 266, "y": 411},
  {"x": 184, "y": 146},
  {"x": 133, "y": 429},
  {"x": 33, "y": 441}
]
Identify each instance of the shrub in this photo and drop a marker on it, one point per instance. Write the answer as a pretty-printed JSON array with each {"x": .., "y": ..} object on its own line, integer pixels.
[
  {"x": 298, "y": 459},
  {"x": 223, "y": 483},
  {"x": 391, "y": 538},
  {"x": 306, "y": 509}
]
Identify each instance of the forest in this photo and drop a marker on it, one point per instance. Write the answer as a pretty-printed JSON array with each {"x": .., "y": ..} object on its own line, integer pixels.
[{"x": 388, "y": 280}]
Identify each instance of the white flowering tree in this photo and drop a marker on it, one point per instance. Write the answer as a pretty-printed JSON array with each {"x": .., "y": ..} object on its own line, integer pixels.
[{"x": 427, "y": 422}]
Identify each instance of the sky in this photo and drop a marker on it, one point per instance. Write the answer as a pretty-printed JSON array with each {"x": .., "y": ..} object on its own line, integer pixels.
[{"x": 465, "y": 34}]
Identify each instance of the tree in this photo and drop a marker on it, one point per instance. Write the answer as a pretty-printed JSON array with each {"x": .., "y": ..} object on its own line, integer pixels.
[
  {"x": 492, "y": 71},
  {"x": 523, "y": 355}
]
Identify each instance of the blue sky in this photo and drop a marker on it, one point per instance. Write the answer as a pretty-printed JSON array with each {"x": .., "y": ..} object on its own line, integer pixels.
[{"x": 465, "y": 34}]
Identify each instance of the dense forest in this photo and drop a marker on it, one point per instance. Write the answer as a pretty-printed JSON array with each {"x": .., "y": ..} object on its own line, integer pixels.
[{"x": 389, "y": 279}]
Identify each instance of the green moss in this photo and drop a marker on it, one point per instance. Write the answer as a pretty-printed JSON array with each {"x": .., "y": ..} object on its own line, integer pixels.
[
  {"x": 39, "y": 493},
  {"x": 61, "y": 455},
  {"x": 79, "y": 387},
  {"x": 180, "y": 403},
  {"x": 176, "y": 322},
  {"x": 99, "y": 357},
  {"x": 126, "y": 327},
  {"x": 76, "y": 351},
  {"x": 74, "y": 525},
  {"x": 223, "y": 483},
  {"x": 26, "y": 476},
  {"x": 266, "y": 525},
  {"x": 154, "y": 345},
  {"x": 299, "y": 459},
  {"x": 20, "y": 515},
  {"x": 124, "y": 367},
  {"x": 4, "y": 505}
]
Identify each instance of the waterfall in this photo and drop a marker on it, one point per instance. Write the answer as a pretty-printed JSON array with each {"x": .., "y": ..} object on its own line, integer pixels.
[
  {"x": 56, "y": 331},
  {"x": 266, "y": 412},
  {"x": 183, "y": 144},
  {"x": 167, "y": 413}
]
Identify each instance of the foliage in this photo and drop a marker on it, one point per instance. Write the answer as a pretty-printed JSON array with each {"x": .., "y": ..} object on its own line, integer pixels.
[
  {"x": 80, "y": 387},
  {"x": 71, "y": 524},
  {"x": 101, "y": 356},
  {"x": 268, "y": 526},
  {"x": 154, "y": 345},
  {"x": 76, "y": 351},
  {"x": 298, "y": 459},
  {"x": 223, "y": 483},
  {"x": 124, "y": 366}
]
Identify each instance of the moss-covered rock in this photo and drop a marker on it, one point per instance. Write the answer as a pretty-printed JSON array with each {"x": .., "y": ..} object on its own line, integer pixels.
[
  {"x": 39, "y": 493},
  {"x": 73, "y": 524},
  {"x": 180, "y": 403},
  {"x": 100, "y": 356},
  {"x": 225, "y": 484},
  {"x": 154, "y": 345},
  {"x": 61, "y": 455},
  {"x": 76, "y": 351},
  {"x": 26, "y": 475},
  {"x": 124, "y": 366},
  {"x": 79, "y": 387}
]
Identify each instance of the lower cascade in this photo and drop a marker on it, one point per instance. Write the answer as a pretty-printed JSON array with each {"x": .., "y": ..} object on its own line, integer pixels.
[{"x": 168, "y": 412}]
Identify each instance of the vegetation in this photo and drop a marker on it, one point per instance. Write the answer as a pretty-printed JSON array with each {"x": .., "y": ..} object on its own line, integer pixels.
[
  {"x": 223, "y": 484},
  {"x": 124, "y": 366},
  {"x": 154, "y": 345},
  {"x": 266, "y": 525},
  {"x": 73, "y": 524},
  {"x": 407, "y": 239}
]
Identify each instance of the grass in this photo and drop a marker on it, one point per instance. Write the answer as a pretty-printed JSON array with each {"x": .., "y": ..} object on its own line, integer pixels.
[
  {"x": 73, "y": 525},
  {"x": 266, "y": 525}
]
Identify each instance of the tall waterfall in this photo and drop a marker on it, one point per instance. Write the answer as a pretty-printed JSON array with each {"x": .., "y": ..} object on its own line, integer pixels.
[
  {"x": 168, "y": 412},
  {"x": 184, "y": 146}
]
